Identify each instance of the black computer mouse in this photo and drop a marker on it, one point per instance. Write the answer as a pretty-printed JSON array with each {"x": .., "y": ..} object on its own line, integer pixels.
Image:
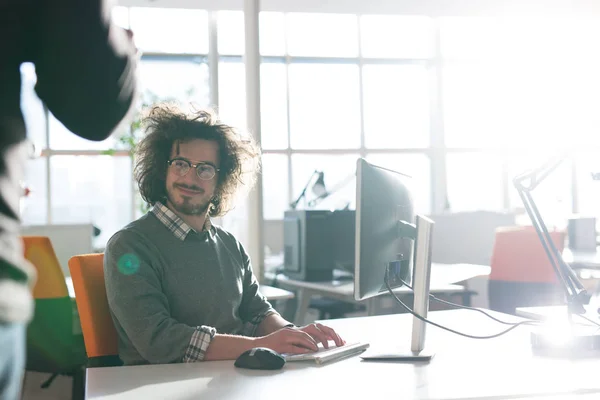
[{"x": 260, "y": 358}]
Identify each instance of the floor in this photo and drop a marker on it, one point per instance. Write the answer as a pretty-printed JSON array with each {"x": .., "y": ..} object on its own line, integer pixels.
[{"x": 60, "y": 389}]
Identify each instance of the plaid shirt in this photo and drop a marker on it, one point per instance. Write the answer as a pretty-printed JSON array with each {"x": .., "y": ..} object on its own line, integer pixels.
[{"x": 203, "y": 335}]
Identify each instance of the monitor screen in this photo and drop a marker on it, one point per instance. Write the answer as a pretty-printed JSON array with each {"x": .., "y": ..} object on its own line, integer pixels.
[{"x": 383, "y": 198}]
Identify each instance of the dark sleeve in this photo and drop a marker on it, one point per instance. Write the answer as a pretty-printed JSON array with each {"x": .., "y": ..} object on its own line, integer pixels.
[
  {"x": 85, "y": 66},
  {"x": 141, "y": 310},
  {"x": 255, "y": 307}
]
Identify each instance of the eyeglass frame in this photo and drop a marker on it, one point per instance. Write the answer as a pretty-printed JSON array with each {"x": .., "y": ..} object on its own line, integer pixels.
[{"x": 195, "y": 166}]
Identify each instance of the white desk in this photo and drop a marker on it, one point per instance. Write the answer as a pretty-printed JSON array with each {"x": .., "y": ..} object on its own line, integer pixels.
[
  {"x": 443, "y": 279},
  {"x": 501, "y": 368}
]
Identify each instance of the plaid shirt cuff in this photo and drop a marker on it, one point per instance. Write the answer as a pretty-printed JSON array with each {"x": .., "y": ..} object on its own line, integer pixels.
[
  {"x": 201, "y": 338},
  {"x": 250, "y": 326}
]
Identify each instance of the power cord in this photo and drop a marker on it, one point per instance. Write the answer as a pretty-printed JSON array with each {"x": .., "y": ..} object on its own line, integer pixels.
[
  {"x": 387, "y": 284},
  {"x": 485, "y": 313},
  {"x": 463, "y": 306},
  {"x": 513, "y": 324}
]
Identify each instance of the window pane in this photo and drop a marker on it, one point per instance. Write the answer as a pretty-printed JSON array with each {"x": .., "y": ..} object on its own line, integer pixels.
[
  {"x": 553, "y": 195},
  {"x": 418, "y": 167},
  {"x": 274, "y": 116},
  {"x": 232, "y": 94},
  {"x": 396, "y": 36},
  {"x": 34, "y": 207},
  {"x": 521, "y": 105},
  {"x": 92, "y": 189},
  {"x": 272, "y": 33},
  {"x": 322, "y": 35},
  {"x": 396, "y": 106},
  {"x": 339, "y": 176},
  {"x": 62, "y": 139},
  {"x": 474, "y": 182},
  {"x": 231, "y": 33},
  {"x": 120, "y": 16},
  {"x": 184, "y": 81},
  {"x": 170, "y": 30},
  {"x": 324, "y": 106},
  {"x": 519, "y": 37},
  {"x": 32, "y": 107},
  {"x": 275, "y": 186}
]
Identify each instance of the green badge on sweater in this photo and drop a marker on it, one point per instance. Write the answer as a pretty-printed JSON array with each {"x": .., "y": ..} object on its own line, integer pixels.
[{"x": 128, "y": 264}]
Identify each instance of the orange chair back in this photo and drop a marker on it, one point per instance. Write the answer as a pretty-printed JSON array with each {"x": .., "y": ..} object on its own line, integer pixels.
[
  {"x": 518, "y": 256},
  {"x": 50, "y": 283},
  {"x": 98, "y": 329}
]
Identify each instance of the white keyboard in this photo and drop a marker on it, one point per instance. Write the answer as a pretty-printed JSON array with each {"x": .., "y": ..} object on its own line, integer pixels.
[{"x": 333, "y": 353}]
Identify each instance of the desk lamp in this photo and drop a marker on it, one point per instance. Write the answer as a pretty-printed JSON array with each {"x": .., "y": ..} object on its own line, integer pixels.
[
  {"x": 326, "y": 193},
  {"x": 318, "y": 187},
  {"x": 575, "y": 294}
]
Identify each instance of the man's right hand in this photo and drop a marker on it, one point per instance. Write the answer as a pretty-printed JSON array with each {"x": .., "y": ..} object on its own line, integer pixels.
[{"x": 288, "y": 340}]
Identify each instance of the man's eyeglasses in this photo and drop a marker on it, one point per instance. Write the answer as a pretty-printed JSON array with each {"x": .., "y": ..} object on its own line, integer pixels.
[{"x": 181, "y": 166}]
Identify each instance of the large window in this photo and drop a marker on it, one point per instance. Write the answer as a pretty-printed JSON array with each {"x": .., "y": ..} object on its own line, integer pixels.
[
  {"x": 462, "y": 104},
  {"x": 516, "y": 91}
]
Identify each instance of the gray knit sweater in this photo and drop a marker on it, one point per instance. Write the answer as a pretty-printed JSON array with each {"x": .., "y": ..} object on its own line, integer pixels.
[{"x": 171, "y": 288}]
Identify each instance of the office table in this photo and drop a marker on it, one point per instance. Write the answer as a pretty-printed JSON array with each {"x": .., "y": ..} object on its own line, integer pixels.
[
  {"x": 500, "y": 368},
  {"x": 443, "y": 279}
]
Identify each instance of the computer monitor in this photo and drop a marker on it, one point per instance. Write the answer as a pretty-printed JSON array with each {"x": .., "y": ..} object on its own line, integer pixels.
[{"x": 392, "y": 240}]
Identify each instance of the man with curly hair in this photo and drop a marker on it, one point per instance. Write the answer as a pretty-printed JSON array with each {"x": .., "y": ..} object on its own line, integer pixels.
[{"x": 181, "y": 289}]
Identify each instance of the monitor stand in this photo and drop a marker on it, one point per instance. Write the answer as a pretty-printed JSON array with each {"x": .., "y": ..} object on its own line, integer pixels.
[{"x": 421, "y": 280}]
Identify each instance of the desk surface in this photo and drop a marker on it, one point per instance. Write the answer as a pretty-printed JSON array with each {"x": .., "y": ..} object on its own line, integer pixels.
[
  {"x": 443, "y": 276},
  {"x": 462, "y": 368},
  {"x": 346, "y": 288}
]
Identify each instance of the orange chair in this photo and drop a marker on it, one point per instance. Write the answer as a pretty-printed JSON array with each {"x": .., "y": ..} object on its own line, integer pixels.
[
  {"x": 53, "y": 345},
  {"x": 99, "y": 333},
  {"x": 522, "y": 275}
]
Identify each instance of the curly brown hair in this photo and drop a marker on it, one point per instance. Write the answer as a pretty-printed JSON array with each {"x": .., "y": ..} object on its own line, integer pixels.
[{"x": 167, "y": 123}]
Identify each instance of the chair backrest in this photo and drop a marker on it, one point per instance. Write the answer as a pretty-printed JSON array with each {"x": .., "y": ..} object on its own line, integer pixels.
[
  {"x": 519, "y": 256},
  {"x": 52, "y": 345},
  {"x": 50, "y": 283},
  {"x": 98, "y": 329}
]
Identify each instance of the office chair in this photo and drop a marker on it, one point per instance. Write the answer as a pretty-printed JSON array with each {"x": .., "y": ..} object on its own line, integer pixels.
[
  {"x": 52, "y": 345},
  {"x": 99, "y": 333},
  {"x": 522, "y": 275}
]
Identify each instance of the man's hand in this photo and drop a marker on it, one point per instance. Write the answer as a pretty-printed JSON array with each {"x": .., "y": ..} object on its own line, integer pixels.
[
  {"x": 288, "y": 340},
  {"x": 322, "y": 333}
]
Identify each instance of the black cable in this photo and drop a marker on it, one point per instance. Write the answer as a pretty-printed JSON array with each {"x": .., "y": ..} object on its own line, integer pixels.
[
  {"x": 485, "y": 313},
  {"x": 464, "y": 307},
  {"x": 588, "y": 319},
  {"x": 387, "y": 284}
]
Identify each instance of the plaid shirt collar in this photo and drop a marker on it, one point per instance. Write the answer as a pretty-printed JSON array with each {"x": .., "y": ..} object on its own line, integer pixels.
[{"x": 175, "y": 224}]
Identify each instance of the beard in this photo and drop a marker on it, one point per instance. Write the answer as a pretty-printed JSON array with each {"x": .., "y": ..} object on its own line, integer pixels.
[{"x": 186, "y": 206}]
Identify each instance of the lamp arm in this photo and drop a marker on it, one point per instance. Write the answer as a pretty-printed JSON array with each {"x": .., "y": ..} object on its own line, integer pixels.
[
  {"x": 536, "y": 176},
  {"x": 567, "y": 277},
  {"x": 294, "y": 204}
]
